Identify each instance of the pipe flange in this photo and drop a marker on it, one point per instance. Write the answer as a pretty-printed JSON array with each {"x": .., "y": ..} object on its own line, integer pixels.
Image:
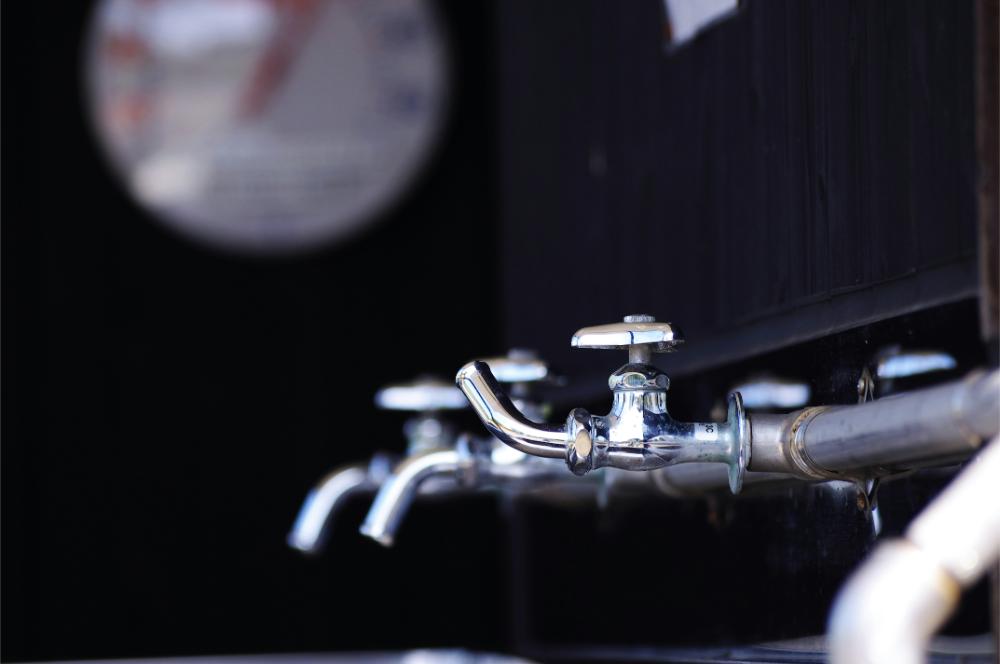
[{"x": 740, "y": 433}]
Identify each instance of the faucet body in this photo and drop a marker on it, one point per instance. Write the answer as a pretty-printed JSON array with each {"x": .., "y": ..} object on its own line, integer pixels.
[{"x": 637, "y": 434}]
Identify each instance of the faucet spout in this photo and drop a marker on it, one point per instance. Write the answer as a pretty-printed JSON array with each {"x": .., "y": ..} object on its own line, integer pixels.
[
  {"x": 400, "y": 488},
  {"x": 312, "y": 525},
  {"x": 502, "y": 418}
]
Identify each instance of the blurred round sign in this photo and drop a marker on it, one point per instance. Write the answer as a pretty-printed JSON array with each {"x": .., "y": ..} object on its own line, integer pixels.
[{"x": 267, "y": 126}]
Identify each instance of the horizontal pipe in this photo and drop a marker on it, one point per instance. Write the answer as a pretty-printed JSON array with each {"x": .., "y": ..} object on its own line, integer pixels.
[
  {"x": 889, "y": 609},
  {"x": 934, "y": 426},
  {"x": 923, "y": 427}
]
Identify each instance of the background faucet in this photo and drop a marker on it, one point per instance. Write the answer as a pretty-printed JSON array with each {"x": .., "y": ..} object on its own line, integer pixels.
[
  {"x": 638, "y": 433},
  {"x": 427, "y": 431},
  {"x": 472, "y": 462}
]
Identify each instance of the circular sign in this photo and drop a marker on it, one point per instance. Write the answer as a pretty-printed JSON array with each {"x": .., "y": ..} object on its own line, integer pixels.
[{"x": 267, "y": 126}]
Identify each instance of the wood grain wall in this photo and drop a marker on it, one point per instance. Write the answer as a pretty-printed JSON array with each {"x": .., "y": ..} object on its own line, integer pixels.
[{"x": 801, "y": 168}]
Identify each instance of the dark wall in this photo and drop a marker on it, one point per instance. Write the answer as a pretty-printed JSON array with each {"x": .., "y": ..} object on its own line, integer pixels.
[
  {"x": 798, "y": 169},
  {"x": 167, "y": 408}
]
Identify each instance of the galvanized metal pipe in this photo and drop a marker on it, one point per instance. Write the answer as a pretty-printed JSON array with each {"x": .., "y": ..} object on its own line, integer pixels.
[
  {"x": 889, "y": 609},
  {"x": 933, "y": 426},
  {"x": 919, "y": 428}
]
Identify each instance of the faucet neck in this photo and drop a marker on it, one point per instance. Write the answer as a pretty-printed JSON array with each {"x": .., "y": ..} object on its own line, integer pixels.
[
  {"x": 635, "y": 376},
  {"x": 638, "y": 405}
]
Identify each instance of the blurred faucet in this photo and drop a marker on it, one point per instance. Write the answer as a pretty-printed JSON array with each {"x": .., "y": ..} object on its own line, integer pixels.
[
  {"x": 426, "y": 431},
  {"x": 467, "y": 462},
  {"x": 312, "y": 526}
]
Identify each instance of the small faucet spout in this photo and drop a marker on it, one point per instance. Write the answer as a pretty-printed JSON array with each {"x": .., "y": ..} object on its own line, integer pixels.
[
  {"x": 312, "y": 525},
  {"x": 502, "y": 418},
  {"x": 401, "y": 487}
]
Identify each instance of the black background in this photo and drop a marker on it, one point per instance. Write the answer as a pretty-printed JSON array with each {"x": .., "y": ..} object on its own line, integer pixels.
[{"x": 166, "y": 408}]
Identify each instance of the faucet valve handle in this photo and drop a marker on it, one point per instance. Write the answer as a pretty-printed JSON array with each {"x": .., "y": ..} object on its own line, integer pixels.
[
  {"x": 641, "y": 334},
  {"x": 518, "y": 366},
  {"x": 425, "y": 394}
]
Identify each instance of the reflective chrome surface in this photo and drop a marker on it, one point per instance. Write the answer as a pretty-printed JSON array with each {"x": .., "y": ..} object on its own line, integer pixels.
[
  {"x": 503, "y": 419},
  {"x": 922, "y": 427},
  {"x": 638, "y": 433},
  {"x": 463, "y": 461},
  {"x": 641, "y": 334},
  {"x": 312, "y": 526},
  {"x": 926, "y": 427},
  {"x": 426, "y": 432},
  {"x": 397, "y": 492}
]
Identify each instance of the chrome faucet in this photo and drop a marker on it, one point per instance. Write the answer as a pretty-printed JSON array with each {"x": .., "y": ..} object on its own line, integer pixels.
[
  {"x": 468, "y": 462},
  {"x": 427, "y": 431},
  {"x": 638, "y": 433},
  {"x": 312, "y": 526}
]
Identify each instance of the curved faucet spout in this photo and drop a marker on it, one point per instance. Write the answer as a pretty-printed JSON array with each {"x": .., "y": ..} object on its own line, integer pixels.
[
  {"x": 502, "y": 418},
  {"x": 312, "y": 525},
  {"x": 398, "y": 491}
]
